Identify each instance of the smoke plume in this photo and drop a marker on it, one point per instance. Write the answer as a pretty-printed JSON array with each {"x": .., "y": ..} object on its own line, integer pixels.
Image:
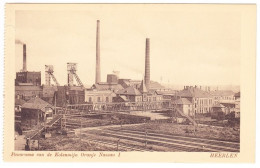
[{"x": 18, "y": 42}]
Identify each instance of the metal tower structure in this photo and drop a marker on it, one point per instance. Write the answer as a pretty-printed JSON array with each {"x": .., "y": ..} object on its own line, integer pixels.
[
  {"x": 49, "y": 74},
  {"x": 72, "y": 69}
]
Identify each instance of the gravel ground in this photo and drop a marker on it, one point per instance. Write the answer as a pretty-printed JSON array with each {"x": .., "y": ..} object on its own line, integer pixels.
[
  {"x": 68, "y": 143},
  {"x": 225, "y": 133}
]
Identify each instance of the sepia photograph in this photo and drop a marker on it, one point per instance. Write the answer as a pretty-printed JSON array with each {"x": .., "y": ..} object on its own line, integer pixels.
[{"x": 125, "y": 78}]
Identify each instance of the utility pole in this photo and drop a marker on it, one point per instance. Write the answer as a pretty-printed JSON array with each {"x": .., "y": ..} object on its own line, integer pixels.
[
  {"x": 80, "y": 131},
  {"x": 55, "y": 103}
]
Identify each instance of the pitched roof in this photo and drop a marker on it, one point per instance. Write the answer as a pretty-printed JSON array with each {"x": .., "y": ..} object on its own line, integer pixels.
[
  {"x": 193, "y": 92},
  {"x": 182, "y": 101},
  {"x": 19, "y": 102},
  {"x": 107, "y": 86},
  {"x": 166, "y": 92},
  {"x": 124, "y": 98},
  {"x": 222, "y": 93},
  {"x": 143, "y": 88},
  {"x": 36, "y": 103},
  {"x": 129, "y": 91},
  {"x": 130, "y": 82}
]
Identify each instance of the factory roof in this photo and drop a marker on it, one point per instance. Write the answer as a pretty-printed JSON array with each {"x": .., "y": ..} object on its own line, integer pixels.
[
  {"x": 130, "y": 82},
  {"x": 129, "y": 91},
  {"x": 222, "y": 93},
  {"x": 156, "y": 85},
  {"x": 193, "y": 92},
  {"x": 182, "y": 101},
  {"x": 36, "y": 103},
  {"x": 107, "y": 86}
]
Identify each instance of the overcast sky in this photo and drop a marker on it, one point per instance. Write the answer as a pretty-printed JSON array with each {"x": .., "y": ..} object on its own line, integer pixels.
[{"x": 188, "y": 45}]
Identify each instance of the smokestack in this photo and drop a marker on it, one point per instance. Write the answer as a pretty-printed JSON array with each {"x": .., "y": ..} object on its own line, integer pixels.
[
  {"x": 147, "y": 64},
  {"x": 24, "y": 57},
  {"x": 97, "y": 55}
]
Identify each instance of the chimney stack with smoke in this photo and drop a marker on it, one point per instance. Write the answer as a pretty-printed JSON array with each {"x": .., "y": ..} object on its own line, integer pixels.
[
  {"x": 24, "y": 58},
  {"x": 147, "y": 64},
  {"x": 97, "y": 55}
]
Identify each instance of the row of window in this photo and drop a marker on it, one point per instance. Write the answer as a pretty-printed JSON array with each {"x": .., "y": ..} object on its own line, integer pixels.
[
  {"x": 98, "y": 99},
  {"x": 224, "y": 98}
]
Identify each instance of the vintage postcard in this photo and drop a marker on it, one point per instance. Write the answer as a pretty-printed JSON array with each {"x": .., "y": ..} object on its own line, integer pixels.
[{"x": 130, "y": 82}]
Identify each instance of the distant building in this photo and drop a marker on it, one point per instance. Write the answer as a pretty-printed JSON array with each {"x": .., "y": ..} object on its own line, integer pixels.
[
  {"x": 167, "y": 94},
  {"x": 184, "y": 105},
  {"x": 106, "y": 86},
  {"x": 26, "y": 92},
  {"x": 34, "y": 112},
  {"x": 69, "y": 95},
  {"x": 48, "y": 93},
  {"x": 97, "y": 96},
  {"x": 112, "y": 78},
  {"x": 75, "y": 94},
  {"x": 132, "y": 94},
  {"x": 223, "y": 96},
  {"x": 28, "y": 77},
  {"x": 202, "y": 101},
  {"x": 237, "y": 105},
  {"x": 141, "y": 94}
]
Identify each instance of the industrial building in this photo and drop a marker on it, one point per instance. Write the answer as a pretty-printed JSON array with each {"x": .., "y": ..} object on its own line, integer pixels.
[
  {"x": 223, "y": 96},
  {"x": 97, "y": 96},
  {"x": 201, "y": 101}
]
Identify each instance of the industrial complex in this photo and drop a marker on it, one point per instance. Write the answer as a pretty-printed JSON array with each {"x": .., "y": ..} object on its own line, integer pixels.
[{"x": 130, "y": 114}]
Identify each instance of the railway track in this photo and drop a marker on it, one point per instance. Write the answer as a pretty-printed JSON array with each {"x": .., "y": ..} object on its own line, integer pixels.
[
  {"x": 228, "y": 144},
  {"x": 111, "y": 144},
  {"x": 176, "y": 142}
]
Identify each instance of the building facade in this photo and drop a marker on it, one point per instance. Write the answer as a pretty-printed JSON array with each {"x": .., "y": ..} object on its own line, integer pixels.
[
  {"x": 184, "y": 105},
  {"x": 98, "y": 96},
  {"x": 202, "y": 101},
  {"x": 27, "y": 92},
  {"x": 28, "y": 77}
]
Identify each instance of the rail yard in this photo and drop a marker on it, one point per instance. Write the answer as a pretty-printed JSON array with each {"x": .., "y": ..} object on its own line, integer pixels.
[{"x": 121, "y": 114}]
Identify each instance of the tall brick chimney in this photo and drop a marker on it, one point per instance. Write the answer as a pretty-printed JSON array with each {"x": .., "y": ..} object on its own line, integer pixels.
[
  {"x": 24, "y": 57},
  {"x": 97, "y": 55},
  {"x": 147, "y": 64}
]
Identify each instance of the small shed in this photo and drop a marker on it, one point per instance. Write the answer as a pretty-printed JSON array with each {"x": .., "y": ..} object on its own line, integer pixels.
[{"x": 34, "y": 112}]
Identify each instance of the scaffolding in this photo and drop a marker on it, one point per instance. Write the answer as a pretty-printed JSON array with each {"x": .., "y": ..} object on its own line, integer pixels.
[
  {"x": 72, "y": 69},
  {"x": 49, "y": 75}
]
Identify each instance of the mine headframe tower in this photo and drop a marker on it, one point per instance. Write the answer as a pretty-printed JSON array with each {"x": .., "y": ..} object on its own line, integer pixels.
[
  {"x": 49, "y": 74},
  {"x": 72, "y": 69}
]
